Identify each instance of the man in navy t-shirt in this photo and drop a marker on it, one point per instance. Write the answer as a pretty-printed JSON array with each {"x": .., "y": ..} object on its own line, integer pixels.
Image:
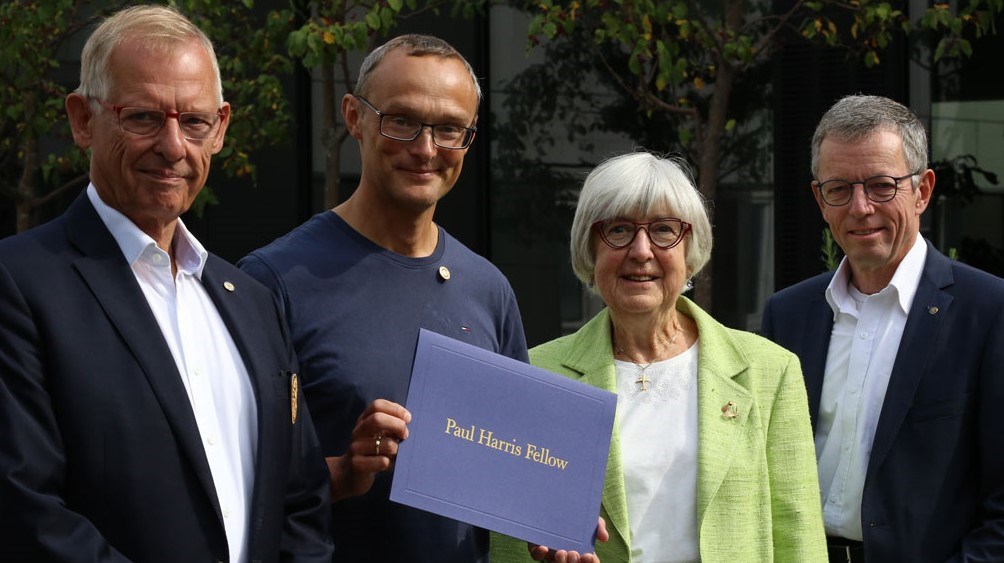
[{"x": 358, "y": 282}]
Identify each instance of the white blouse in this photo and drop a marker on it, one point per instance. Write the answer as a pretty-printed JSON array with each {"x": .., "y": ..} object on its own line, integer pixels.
[{"x": 658, "y": 436}]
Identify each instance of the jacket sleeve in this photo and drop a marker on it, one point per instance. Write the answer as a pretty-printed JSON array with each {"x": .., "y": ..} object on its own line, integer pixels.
[
  {"x": 306, "y": 532},
  {"x": 985, "y": 542},
  {"x": 36, "y": 523}
]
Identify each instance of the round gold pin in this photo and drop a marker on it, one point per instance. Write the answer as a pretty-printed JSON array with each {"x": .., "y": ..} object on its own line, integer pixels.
[
  {"x": 228, "y": 286},
  {"x": 444, "y": 273},
  {"x": 933, "y": 310}
]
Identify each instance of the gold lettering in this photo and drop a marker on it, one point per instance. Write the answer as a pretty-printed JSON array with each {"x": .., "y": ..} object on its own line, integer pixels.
[{"x": 485, "y": 437}]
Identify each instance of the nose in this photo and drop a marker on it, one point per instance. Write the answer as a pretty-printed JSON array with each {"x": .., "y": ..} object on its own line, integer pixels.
[
  {"x": 860, "y": 205},
  {"x": 424, "y": 144},
  {"x": 170, "y": 140},
  {"x": 641, "y": 247}
]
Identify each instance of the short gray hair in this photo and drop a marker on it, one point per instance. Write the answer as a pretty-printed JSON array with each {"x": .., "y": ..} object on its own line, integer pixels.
[
  {"x": 415, "y": 45},
  {"x": 159, "y": 27},
  {"x": 635, "y": 184},
  {"x": 854, "y": 117}
]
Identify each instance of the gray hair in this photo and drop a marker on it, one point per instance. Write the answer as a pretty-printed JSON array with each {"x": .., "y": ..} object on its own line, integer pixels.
[
  {"x": 854, "y": 117},
  {"x": 636, "y": 184},
  {"x": 415, "y": 45},
  {"x": 156, "y": 27}
]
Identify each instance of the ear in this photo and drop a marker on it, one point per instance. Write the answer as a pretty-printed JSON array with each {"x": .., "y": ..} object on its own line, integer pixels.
[
  {"x": 350, "y": 112},
  {"x": 924, "y": 190},
  {"x": 814, "y": 186},
  {"x": 218, "y": 141},
  {"x": 78, "y": 108}
]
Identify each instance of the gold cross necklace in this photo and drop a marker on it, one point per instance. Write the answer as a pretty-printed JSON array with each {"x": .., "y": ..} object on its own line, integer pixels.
[{"x": 644, "y": 380}]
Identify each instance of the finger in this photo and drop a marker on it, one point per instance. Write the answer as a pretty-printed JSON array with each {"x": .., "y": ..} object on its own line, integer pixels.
[
  {"x": 386, "y": 407},
  {"x": 601, "y": 530},
  {"x": 371, "y": 463},
  {"x": 537, "y": 552},
  {"x": 380, "y": 424}
]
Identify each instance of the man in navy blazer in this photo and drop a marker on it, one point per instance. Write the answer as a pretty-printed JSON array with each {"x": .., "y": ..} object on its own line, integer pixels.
[
  {"x": 902, "y": 352},
  {"x": 149, "y": 405}
]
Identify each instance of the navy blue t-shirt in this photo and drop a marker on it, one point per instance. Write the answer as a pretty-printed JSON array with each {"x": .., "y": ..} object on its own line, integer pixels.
[{"x": 354, "y": 310}]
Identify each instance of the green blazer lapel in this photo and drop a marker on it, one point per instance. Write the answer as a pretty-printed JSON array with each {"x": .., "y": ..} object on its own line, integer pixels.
[
  {"x": 723, "y": 404},
  {"x": 592, "y": 357}
]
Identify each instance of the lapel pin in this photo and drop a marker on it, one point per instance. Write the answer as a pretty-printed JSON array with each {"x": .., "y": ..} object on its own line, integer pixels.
[
  {"x": 444, "y": 273},
  {"x": 933, "y": 310},
  {"x": 729, "y": 410},
  {"x": 228, "y": 286},
  {"x": 294, "y": 391}
]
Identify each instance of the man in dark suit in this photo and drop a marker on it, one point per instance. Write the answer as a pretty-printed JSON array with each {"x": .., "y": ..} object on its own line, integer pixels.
[
  {"x": 149, "y": 406},
  {"x": 903, "y": 355}
]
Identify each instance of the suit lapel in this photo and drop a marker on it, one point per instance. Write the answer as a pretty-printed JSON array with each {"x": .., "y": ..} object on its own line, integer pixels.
[
  {"x": 111, "y": 280},
  {"x": 920, "y": 336},
  {"x": 592, "y": 357},
  {"x": 818, "y": 329},
  {"x": 231, "y": 303},
  {"x": 719, "y": 362}
]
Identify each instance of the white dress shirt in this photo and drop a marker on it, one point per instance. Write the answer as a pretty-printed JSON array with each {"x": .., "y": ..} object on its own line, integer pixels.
[
  {"x": 209, "y": 364},
  {"x": 658, "y": 435},
  {"x": 867, "y": 330}
]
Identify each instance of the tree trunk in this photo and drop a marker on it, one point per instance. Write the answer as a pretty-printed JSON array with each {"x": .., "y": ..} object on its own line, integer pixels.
[
  {"x": 25, "y": 214},
  {"x": 711, "y": 147},
  {"x": 26, "y": 185},
  {"x": 329, "y": 139}
]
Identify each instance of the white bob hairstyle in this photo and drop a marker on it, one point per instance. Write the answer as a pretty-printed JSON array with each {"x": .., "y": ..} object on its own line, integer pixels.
[{"x": 633, "y": 186}]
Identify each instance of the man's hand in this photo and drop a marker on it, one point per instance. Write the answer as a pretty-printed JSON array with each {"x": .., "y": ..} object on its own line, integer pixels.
[{"x": 375, "y": 439}]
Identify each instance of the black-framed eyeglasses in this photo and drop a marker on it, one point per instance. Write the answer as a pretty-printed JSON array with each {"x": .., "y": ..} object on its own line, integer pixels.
[
  {"x": 665, "y": 232},
  {"x": 878, "y": 189},
  {"x": 145, "y": 122},
  {"x": 404, "y": 128}
]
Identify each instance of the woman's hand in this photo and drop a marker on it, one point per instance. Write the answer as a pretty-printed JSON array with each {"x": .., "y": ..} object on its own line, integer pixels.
[{"x": 542, "y": 553}]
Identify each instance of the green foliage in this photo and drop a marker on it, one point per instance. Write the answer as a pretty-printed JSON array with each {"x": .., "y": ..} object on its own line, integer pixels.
[
  {"x": 676, "y": 48},
  {"x": 31, "y": 97},
  {"x": 831, "y": 252},
  {"x": 334, "y": 29}
]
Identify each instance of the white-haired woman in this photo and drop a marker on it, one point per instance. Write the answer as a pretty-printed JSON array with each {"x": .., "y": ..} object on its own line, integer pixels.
[{"x": 712, "y": 456}]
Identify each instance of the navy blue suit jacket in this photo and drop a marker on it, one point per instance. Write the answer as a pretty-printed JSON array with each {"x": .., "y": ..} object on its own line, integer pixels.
[
  {"x": 934, "y": 487},
  {"x": 100, "y": 455}
]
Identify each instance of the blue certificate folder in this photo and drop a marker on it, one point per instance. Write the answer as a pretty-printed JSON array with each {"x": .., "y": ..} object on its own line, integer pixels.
[{"x": 504, "y": 445}]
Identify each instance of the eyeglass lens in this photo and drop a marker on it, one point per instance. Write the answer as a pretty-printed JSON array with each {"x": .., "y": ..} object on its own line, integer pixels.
[
  {"x": 195, "y": 125},
  {"x": 401, "y": 128},
  {"x": 664, "y": 233},
  {"x": 878, "y": 189}
]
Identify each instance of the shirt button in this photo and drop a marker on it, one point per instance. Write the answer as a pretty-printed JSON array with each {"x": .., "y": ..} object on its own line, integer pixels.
[
  {"x": 864, "y": 335},
  {"x": 211, "y": 440},
  {"x": 157, "y": 258},
  {"x": 226, "y": 513}
]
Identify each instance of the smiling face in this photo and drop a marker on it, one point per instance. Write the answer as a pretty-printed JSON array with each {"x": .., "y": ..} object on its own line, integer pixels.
[
  {"x": 412, "y": 175},
  {"x": 641, "y": 279},
  {"x": 153, "y": 179},
  {"x": 874, "y": 236}
]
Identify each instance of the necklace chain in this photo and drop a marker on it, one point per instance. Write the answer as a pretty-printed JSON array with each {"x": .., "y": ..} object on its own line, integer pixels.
[{"x": 643, "y": 380}]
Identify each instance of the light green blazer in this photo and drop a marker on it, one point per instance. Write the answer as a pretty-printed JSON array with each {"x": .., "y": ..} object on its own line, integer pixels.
[{"x": 757, "y": 488}]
